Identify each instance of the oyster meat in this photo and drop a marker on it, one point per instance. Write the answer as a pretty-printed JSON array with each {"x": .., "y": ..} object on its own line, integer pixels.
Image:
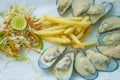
[
  {"x": 84, "y": 67},
  {"x": 63, "y": 6},
  {"x": 110, "y": 38},
  {"x": 110, "y": 50},
  {"x": 80, "y": 6},
  {"x": 99, "y": 11},
  {"x": 64, "y": 67},
  {"x": 109, "y": 23},
  {"x": 49, "y": 56},
  {"x": 95, "y": 9},
  {"x": 99, "y": 61}
]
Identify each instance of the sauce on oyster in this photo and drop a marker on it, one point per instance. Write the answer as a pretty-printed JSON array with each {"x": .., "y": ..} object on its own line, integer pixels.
[
  {"x": 64, "y": 67},
  {"x": 80, "y": 6},
  {"x": 99, "y": 61},
  {"x": 83, "y": 66},
  {"x": 95, "y": 9},
  {"x": 109, "y": 23},
  {"x": 50, "y": 55}
]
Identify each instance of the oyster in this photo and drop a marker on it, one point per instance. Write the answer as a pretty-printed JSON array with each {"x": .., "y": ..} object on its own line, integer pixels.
[
  {"x": 99, "y": 61},
  {"x": 63, "y": 69},
  {"x": 84, "y": 67},
  {"x": 80, "y": 6},
  {"x": 49, "y": 56},
  {"x": 103, "y": 8},
  {"x": 95, "y": 9},
  {"x": 63, "y": 6},
  {"x": 109, "y": 23},
  {"x": 110, "y": 38},
  {"x": 110, "y": 50}
]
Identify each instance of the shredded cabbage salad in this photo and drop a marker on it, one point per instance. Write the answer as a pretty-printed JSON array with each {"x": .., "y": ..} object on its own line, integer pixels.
[{"x": 15, "y": 31}]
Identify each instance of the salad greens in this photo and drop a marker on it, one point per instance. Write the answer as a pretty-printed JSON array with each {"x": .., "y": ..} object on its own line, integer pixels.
[{"x": 15, "y": 31}]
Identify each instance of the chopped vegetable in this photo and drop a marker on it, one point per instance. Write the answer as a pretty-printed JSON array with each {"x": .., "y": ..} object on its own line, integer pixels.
[{"x": 16, "y": 34}]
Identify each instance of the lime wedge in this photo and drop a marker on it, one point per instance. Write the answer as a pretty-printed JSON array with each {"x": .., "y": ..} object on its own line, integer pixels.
[{"x": 18, "y": 23}]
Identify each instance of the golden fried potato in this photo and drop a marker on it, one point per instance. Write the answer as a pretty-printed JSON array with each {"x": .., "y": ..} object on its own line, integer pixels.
[
  {"x": 66, "y": 31},
  {"x": 49, "y": 33},
  {"x": 57, "y": 40}
]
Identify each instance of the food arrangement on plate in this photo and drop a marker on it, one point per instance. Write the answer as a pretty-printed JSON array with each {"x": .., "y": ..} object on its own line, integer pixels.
[{"x": 19, "y": 30}]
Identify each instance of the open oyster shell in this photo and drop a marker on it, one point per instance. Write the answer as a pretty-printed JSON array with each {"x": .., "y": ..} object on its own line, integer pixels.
[
  {"x": 110, "y": 50},
  {"x": 64, "y": 67},
  {"x": 109, "y": 38},
  {"x": 63, "y": 6},
  {"x": 104, "y": 7},
  {"x": 84, "y": 67},
  {"x": 101, "y": 62},
  {"x": 50, "y": 55},
  {"x": 95, "y": 9},
  {"x": 109, "y": 23},
  {"x": 80, "y": 6}
]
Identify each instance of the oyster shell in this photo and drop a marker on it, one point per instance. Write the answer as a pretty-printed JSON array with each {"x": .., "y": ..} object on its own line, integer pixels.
[
  {"x": 64, "y": 67},
  {"x": 50, "y": 55},
  {"x": 63, "y": 6},
  {"x": 95, "y": 9},
  {"x": 80, "y": 6},
  {"x": 104, "y": 8},
  {"x": 109, "y": 23},
  {"x": 84, "y": 67},
  {"x": 99, "y": 61},
  {"x": 110, "y": 50},
  {"x": 109, "y": 38}
]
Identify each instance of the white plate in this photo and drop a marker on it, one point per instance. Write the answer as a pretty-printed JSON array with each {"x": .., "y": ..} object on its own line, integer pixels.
[{"x": 22, "y": 70}]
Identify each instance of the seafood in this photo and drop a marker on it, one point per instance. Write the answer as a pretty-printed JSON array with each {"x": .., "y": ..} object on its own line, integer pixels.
[
  {"x": 100, "y": 10},
  {"x": 50, "y": 55},
  {"x": 63, "y": 6},
  {"x": 109, "y": 23},
  {"x": 107, "y": 38},
  {"x": 100, "y": 61},
  {"x": 110, "y": 50},
  {"x": 80, "y": 6},
  {"x": 64, "y": 67},
  {"x": 84, "y": 67},
  {"x": 95, "y": 9}
]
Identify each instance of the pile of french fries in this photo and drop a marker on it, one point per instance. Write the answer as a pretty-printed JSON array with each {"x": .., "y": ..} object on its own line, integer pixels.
[{"x": 66, "y": 31}]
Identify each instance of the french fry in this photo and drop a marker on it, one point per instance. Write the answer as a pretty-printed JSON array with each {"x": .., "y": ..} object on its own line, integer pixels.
[
  {"x": 85, "y": 19},
  {"x": 74, "y": 38},
  {"x": 85, "y": 44},
  {"x": 75, "y": 18},
  {"x": 66, "y": 31},
  {"x": 86, "y": 33},
  {"x": 49, "y": 33},
  {"x": 57, "y": 27},
  {"x": 69, "y": 30},
  {"x": 80, "y": 34},
  {"x": 78, "y": 29},
  {"x": 46, "y": 23},
  {"x": 76, "y": 46},
  {"x": 57, "y": 40},
  {"x": 63, "y": 21},
  {"x": 91, "y": 43}
]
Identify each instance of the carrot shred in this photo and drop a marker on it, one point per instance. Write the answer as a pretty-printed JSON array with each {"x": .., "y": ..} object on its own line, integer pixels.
[
  {"x": 14, "y": 51},
  {"x": 29, "y": 21},
  {"x": 32, "y": 34}
]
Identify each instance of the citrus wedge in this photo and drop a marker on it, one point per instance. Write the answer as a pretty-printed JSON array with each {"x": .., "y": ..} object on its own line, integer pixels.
[{"x": 18, "y": 23}]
